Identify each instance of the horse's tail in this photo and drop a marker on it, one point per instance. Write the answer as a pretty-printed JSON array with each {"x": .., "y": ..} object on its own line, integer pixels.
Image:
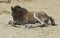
[{"x": 52, "y": 21}]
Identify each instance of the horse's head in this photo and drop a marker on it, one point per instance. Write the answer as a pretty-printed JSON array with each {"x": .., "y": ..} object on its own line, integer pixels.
[
  {"x": 18, "y": 14},
  {"x": 18, "y": 10}
]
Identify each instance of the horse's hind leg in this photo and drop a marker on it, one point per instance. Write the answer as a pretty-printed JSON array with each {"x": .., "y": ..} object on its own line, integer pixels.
[{"x": 42, "y": 23}]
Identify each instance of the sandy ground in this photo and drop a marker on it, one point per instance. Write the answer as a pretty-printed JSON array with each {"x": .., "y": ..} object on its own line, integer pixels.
[{"x": 51, "y": 7}]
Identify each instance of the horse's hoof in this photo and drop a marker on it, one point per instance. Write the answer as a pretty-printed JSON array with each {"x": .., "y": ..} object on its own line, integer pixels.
[{"x": 28, "y": 26}]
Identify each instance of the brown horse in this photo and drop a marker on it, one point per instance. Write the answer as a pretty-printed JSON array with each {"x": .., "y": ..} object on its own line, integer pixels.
[{"x": 22, "y": 16}]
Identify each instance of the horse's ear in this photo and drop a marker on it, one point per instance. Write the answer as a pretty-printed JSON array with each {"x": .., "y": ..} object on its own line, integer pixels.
[{"x": 12, "y": 8}]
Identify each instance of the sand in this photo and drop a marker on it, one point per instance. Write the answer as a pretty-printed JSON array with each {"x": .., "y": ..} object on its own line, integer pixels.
[{"x": 51, "y": 7}]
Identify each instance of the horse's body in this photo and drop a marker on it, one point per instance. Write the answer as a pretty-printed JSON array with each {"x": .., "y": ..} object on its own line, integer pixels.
[{"x": 22, "y": 16}]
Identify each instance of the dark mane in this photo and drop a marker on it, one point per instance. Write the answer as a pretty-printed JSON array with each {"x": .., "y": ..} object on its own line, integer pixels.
[{"x": 17, "y": 6}]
